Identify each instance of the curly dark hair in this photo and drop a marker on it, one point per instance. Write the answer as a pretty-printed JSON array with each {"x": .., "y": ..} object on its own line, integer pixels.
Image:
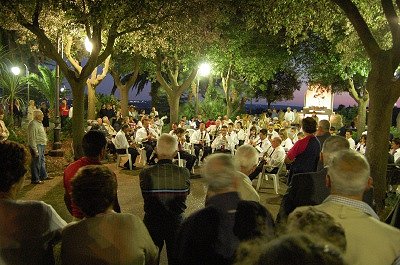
[
  {"x": 309, "y": 125},
  {"x": 13, "y": 158},
  {"x": 94, "y": 189}
]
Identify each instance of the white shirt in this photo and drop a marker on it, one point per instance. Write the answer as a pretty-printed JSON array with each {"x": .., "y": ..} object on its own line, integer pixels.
[
  {"x": 71, "y": 112},
  {"x": 234, "y": 137},
  {"x": 352, "y": 143},
  {"x": 120, "y": 140},
  {"x": 263, "y": 146},
  {"x": 272, "y": 134},
  {"x": 241, "y": 135},
  {"x": 289, "y": 116},
  {"x": 219, "y": 142},
  {"x": 396, "y": 154},
  {"x": 275, "y": 157},
  {"x": 141, "y": 134},
  {"x": 246, "y": 190},
  {"x": 198, "y": 135},
  {"x": 287, "y": 144}
]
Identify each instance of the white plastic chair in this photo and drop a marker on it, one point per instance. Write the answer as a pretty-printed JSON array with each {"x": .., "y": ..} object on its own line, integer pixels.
[
  {"x": 119, "y": 156},
  {"x": 265, "y": 176}
]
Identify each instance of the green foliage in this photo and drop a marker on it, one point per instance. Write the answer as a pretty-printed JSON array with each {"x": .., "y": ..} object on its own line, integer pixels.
[
  {"x": 18, "y": 135},
  {"x": 105, "y": 99},
  {"x": 213, "y": 104},
  {"x": 348, "y": 113},
  {"x": 45, "y": 83},
  {"x": 395, "y": 132}
]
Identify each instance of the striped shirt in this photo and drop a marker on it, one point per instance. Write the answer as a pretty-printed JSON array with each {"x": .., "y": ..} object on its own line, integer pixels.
[{"x": 360, "y": 205}]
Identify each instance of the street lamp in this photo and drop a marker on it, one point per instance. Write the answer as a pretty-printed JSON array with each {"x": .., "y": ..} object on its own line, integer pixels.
[
  {"x": 16, "y": 71},
  {"x": 204, "y": 70},
  {"x": 88, "y": 45}
]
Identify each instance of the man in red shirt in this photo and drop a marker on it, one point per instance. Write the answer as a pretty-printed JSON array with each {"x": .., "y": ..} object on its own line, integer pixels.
[{"x": 94, "y": 148}]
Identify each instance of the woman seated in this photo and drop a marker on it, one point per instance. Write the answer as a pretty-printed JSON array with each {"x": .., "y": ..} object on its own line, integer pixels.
[
  {"x": 28, "y": 229},
  {"x": 104, "y": 236}
]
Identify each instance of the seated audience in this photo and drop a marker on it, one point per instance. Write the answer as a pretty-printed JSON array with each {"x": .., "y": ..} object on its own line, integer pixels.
[
  {"x": 104, "y": 236},
  {"x": 295, "y": 249},
  {"x": 246, "y": 160},
  {"x": 369, "y": 241},
  {"x": 28, "y": 229}
]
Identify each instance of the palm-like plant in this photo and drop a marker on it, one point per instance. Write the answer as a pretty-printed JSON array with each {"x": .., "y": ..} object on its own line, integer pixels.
[
  {"x": 45, "y": 83},
  {"x": 12, "y": 86}
]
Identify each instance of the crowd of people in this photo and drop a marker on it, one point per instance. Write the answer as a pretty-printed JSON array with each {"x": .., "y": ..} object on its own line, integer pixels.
[{"x": 325, "y": 215}]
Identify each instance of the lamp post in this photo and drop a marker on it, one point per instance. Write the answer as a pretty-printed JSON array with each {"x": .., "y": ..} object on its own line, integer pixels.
[
  {"x": 16, "y": 71},
  {"x": 56, "y": 149},
  {"x": 204, "y": 70}
]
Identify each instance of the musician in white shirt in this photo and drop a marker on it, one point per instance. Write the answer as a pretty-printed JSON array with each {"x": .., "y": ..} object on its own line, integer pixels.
[
  {"x": 263, "y": 143},
  {"x": 233, "y": 134},
  {"x": 148, "y": 138},
  {"x": 271, "y": 131},
  {"x": 252, "y": 137},
  {"x": 201, "y": 141},
  {"x": 241, "y": 135},
  {"x": 273, "y": 158},
  {"x": 121, "y": 144},
  {"x": 223, "y": 143}
]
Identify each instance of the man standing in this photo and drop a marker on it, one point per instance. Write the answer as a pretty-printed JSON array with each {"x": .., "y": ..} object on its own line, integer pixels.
[
  {"x": 304, "y": 155},
  {"x": 165, "y": 187},
  {"x": 273, "y": 158},
  {"x": 289, "y": 116},
  {"x": 349, "y": 137},
  {"x": 369, "y": 241},
  {"x": 94, "y": 148},
  {"x": 310, "y": 188},
  {"x": 246, "y": 160},
  {"x": 323, "y": 131},
  {"x": 148, "y": 138},
  {"x": 37, "y": 141},
  {"x": 207, "y": 237},
  {"x": 121, "y": 144}
]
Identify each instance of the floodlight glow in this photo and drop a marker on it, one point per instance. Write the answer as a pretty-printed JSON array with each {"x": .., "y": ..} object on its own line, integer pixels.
[
  {"x": 15, "y": 70},
  {"x": 62, "y": 89},
  {"x": 88, "y": 45},
  {"x": 204, "y": 69}
]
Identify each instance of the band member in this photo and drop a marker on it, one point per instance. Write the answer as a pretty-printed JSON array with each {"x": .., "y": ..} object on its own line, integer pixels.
[
  {"x": 223, "y": 142},
  {"x": 201, "y": 141}
]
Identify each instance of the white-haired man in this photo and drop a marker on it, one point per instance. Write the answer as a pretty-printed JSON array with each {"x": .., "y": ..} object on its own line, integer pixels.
[
  {"x": 310, "y": 188},
  {"x": 369, "y": 241},
  {"x": 165, "y": 187},
  {"x": 207, "y": 235},
  {"x": 246, "y": 160},
  {"x": 37, "y": 141}
]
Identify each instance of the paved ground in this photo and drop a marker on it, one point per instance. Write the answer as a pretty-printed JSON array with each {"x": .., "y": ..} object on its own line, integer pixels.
[{"x": 129, "y": 194}]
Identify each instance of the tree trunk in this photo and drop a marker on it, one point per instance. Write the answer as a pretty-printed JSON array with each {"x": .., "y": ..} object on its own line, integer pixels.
[
  {"x": 173, "y": 101},
  {"x": 91, "y": 91},
  {"x": 124, "y": 94},
  {"x": 78, "y": 93},
  {"x": 361, "y": 116},
  {"x": 383, "y": 93}
]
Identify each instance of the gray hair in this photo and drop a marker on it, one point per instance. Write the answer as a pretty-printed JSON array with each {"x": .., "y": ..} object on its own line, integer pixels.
[
  {"x": 167, "y": 145},
  {"x": 333, "y": 144},
  {"x": 349, "y": 172},
  {"x": 325, "y": 125},
  {"x": 219, "y": 172},
  {"x": 246, "y": 157}
]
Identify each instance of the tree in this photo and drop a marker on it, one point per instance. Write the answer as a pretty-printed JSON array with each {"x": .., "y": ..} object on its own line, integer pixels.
[
  {"x": 376, "y": 24},
  {"x": 45, "y": 83},
  {"x": 335, "y": 65},
  {"x": 102, "y": 21},
  {"x": 12, "y": 86},
  {"x": 280, "y": 87}
]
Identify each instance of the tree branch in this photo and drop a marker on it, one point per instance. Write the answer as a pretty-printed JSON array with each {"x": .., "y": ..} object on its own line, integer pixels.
[
  {"x": 159, "y": 76},
  {"x": 71, "y": 59},
  {"x": 393, "y": 21},
  {"x": 353, "y": 14},
  {"x": 188, "y": 80},
  {"x": 135, "y": 72},
  {"x": 352, "y": 90},
  {"x": 116, "y": 77}
]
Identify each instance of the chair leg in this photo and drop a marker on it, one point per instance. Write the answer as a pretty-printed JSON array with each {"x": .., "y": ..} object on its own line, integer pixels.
[
  {"x": 130, "y": 161},
  {"x": 276, "y": 183},
  {"x": 118, "y": 160}
]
